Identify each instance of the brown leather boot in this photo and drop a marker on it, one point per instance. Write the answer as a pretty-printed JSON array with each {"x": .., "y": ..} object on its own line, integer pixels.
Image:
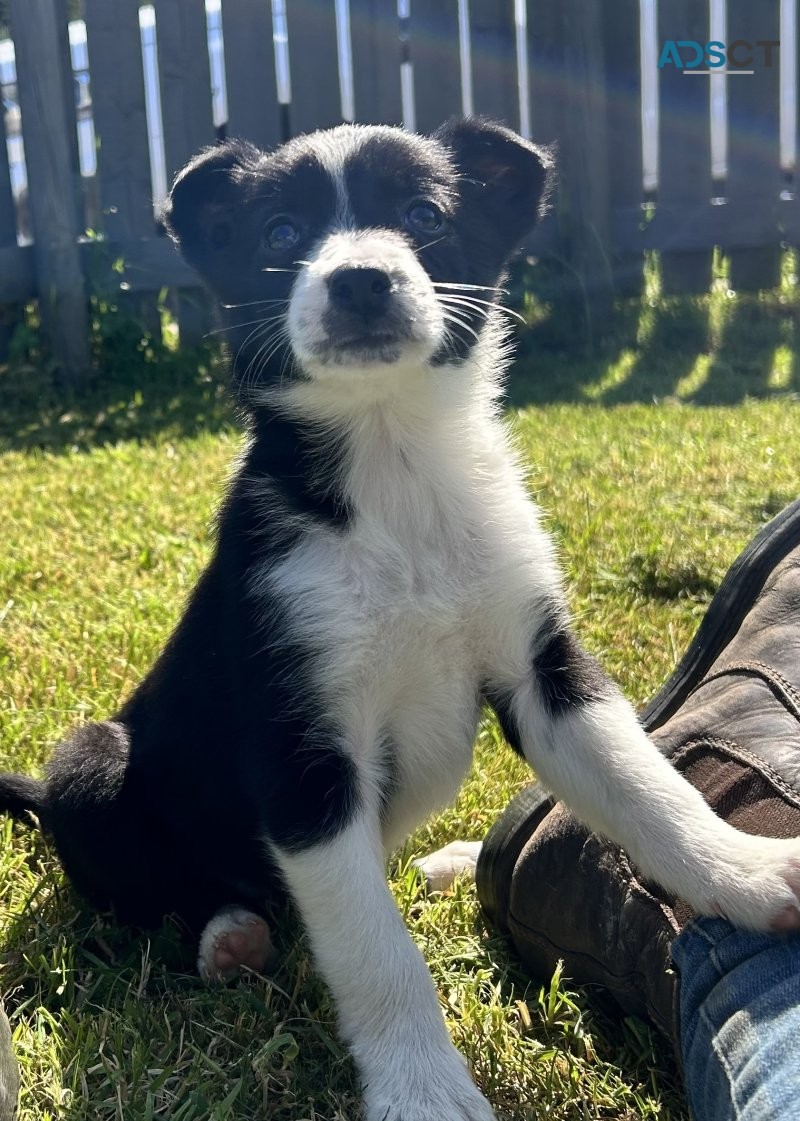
[{"x": 729, "y": 719}]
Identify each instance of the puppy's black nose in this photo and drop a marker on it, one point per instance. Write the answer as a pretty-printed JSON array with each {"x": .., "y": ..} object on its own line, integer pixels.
[{"x": 364, "y": 291}]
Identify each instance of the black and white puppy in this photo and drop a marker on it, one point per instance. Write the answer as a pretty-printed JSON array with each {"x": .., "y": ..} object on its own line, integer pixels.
[{"x": 379, "y": 571}]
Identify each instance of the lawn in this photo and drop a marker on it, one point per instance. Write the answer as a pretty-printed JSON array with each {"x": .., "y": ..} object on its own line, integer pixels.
[{"x": 655, "y": 457}]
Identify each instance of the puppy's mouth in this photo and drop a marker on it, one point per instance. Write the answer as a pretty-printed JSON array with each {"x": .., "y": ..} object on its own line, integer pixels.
[{"x": 361, "y": 344}]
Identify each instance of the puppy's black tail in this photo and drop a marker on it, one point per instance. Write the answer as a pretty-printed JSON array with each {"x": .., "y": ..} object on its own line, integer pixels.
[{"x": 20, "y": 794}]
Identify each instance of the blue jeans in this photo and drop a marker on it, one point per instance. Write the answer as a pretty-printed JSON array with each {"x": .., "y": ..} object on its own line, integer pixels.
[{"x": 739, "y": 1022}]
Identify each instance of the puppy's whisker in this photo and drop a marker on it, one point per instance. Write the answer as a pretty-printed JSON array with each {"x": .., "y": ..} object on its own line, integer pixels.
[
  {"x": 284, "y": 365},
  {"x": 253, "y": 303},
  {"x": 449, "y": 341},
  {"x": 512, "y": 314},
  {"x": 264, "y": 355},
  {"x": 258, "y": 329},
  {"x": 271, "y": 269},
  {"x": 268, "y": 352},
  {"x": 466, "y": 309},
  {"x": 279, "y": 339},
  {"x": 243, "y": 344},
  {"x": 472, "y": 301},
  {"x": 254, "y": 334},
  {"x": 481, "y": 307},
  {"x": 463, "y": 317},
  {"x": 272, "y": 337},
  {"x": 464, "y": 326},
  {"x": 249, "y": 323},
  {"x": 471, "y": 287},
  {"x": 436, "y": 241}
]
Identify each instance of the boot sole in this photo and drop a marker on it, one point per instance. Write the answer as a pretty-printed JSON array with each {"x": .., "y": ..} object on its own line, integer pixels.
[
  {"x": 733, "y": 600},
  {"x": 502, "y": 847}
]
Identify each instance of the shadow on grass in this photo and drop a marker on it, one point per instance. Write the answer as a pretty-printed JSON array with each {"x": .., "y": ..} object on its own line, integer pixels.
[
  {"x": 703, "y": 350},
  {"x": 140, "y": 389},
  {"x": 755, "y": 352}
]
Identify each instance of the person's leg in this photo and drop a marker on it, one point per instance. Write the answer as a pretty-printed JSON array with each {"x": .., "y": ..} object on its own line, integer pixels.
[
  {"x": 739, "y": 1022},
  {"x": 729, "y": 720}
]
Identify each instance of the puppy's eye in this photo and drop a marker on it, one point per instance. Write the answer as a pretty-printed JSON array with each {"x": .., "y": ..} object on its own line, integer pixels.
[
  {"x": 424, "y": 218},
  {"x": 280, "y": 234}
]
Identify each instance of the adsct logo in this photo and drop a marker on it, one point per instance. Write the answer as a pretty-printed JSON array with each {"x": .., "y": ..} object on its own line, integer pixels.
[{"x": 738, "y": 57}]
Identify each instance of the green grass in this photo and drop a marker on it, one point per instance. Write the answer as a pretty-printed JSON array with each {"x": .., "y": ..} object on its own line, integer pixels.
[{"x": 651, "y": 483}]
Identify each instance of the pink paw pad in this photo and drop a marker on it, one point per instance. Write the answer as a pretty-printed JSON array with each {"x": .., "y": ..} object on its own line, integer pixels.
[{"x": 235, "y": 939}]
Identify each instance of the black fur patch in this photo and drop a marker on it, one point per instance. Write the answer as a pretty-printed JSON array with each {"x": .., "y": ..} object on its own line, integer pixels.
[
  {"x": 303, "y": 467},
  {"x": 500, "y": 702},
  {"x": 389, "y": 777},
  {"x": 20, "y": 795},
  {"x": 312, "y": 792},
  {"x": 567, "y": 675}
]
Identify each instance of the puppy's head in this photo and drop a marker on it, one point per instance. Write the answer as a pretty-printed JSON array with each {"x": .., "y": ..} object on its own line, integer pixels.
[{"x": 359, "y": 249}]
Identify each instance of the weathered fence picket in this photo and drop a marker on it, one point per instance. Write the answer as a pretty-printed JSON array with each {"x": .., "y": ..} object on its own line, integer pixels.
[
  {"x": 495, "y": 88},
  {"x": 120, "y": 120},
  {"x": 434, "y": 42},
  {"x": 375, "y": 37},
  {"x": 253, "y": 109},
  {"x": 120, "y": 123},
  {"x": 753, "y": 143},
  {"x": 10, "y": 312},
  {"x": 313, "y": 65},
  {"x": 624, "y": 138},
  {"x": 684, "y": 185},
  {"x": 54, "y": 208},
  {"x": 579, "y": 72}
]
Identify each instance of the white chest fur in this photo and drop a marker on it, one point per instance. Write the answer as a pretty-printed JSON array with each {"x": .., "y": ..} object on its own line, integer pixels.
[{"x": 400, "y": 606}]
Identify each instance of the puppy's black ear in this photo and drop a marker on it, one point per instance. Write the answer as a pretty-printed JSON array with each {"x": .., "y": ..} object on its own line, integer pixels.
[
  {"x": 504, "y": 178},
  {"x": 199, "y": 213}
]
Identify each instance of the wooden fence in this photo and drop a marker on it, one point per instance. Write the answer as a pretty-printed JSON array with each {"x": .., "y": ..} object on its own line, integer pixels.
[{"x": 575, "y": 71}]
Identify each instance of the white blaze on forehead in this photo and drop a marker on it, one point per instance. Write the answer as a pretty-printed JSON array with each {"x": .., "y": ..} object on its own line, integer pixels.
[
  {"x": 335, "y": 148},
  {"x": 343, "y": 216}
]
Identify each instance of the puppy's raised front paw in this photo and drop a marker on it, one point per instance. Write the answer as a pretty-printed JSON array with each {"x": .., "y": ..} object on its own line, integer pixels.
[
  {"x": 762, "y": 890},
  {"x": 233, "y": 940}
]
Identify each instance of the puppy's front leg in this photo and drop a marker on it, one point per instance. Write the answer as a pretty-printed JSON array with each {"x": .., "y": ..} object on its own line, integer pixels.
[
  {"x": 586, "y": 744},
  {"x": 388, "y": 1010}
]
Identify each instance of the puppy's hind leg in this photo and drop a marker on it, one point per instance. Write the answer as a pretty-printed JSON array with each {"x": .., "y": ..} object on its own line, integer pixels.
[
  {"x": 116, "y": 849},
  {"x": 234, "y": 939},
  {"x": 441, "y": 868},
  {"x": 102, "y": 831}
]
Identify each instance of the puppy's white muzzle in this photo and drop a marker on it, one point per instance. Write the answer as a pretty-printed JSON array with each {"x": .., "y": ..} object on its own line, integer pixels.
[{"x": 364, "y": 301}]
